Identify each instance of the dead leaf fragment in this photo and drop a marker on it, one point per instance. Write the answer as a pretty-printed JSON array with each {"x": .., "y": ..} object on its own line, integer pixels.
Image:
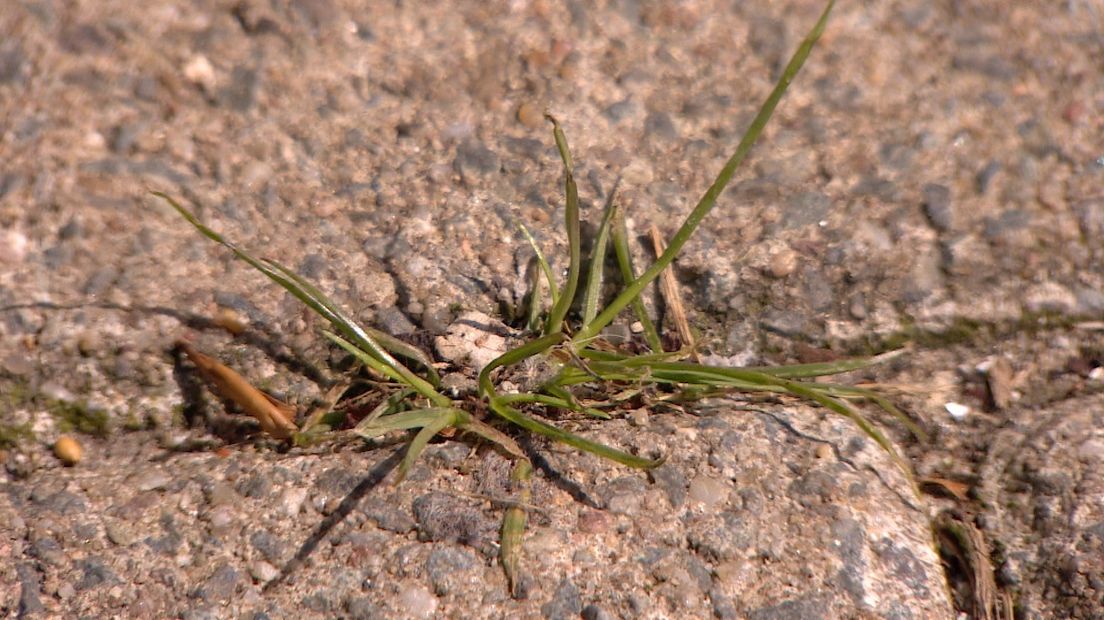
[{"x": 274, "y": 416}]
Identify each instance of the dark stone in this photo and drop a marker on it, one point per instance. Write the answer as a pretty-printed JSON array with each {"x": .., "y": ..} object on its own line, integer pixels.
[
  {"x": 313, "y": 266},
  {"x": 256, "y": 486},
  {"x": 622, "y": 495},
  {"x": 594, "y": 612},
  {"x": 167, "y": 544},
  {"x": 391, "y": 320},
  {"x": 474, "y": 161},
  {"x": 320, "y": 602},
  {"x": 95, "y": 574},
  {"x": 984, "y": 177},
  {"x": 12, "y": 62},
  {"x": 29, "y": 601},
  {"x": 530, "y": 148},
  {"x": 336, "y": 481},
  {"x": 271, "y": 547},
  {"x": 725, "y": 538},
  {"x": 445, "y": 567},
  {"x": 995, "y": 66},
  {"x": 363, "y": 608},
  {"x": 48, "y": 550},
  {"x": 849, "y": 539},
  {"x": 658, "y": 125},
  {"x": 937, "y": 206},
  {"x": 805, "y": 608},
  {"x": 815, "y": 485},
  {"x": 220, "y": 586},
  {"x": 882, "y": 189},
  {"x": 62, "y": 503},
  {"x": 905, "y": 567},
  {"x": 805, "y": 209},
  {"x": 673, "y": 482},
  {"x": 1004, "y": 227},
  {"x": 565, "y": 603},
  {"x": 817, "y": 289},
  {"x": 241, "y": 93},
  {"x": 723, "y": 607},
  {"x": 619, "y": 111}
]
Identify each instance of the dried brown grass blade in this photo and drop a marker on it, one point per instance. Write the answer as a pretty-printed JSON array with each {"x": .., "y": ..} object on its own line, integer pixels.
[
  {"x": 276, "y": 418},
  {"x": 668, "y": 286}
]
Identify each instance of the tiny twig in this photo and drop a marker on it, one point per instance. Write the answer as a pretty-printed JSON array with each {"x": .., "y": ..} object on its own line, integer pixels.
[{"x": 668, "y": 286}]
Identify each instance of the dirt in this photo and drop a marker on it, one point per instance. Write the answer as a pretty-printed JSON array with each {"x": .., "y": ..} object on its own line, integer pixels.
[{"x": 932, "y": 180}]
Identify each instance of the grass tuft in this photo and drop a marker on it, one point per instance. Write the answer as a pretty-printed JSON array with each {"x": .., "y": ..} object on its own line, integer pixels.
[{"x": 570, "y": 346}]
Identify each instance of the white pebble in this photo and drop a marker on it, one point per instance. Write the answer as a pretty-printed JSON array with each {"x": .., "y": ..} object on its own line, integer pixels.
[
  {"x": 417, "y": 602},
  {"x": 958, "y": 411}
]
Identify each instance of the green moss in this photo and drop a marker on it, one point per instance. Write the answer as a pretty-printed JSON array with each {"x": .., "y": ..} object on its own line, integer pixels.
[
  {"x": 11, "y": 435},
  {"x": 79, "y": 417}
]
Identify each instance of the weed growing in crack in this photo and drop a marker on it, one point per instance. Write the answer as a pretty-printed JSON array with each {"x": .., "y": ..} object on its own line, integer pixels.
[{"x": 570, "y": 350}]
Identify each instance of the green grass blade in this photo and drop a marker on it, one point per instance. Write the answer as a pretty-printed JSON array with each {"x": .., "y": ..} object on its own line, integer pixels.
[
  {"x": 447, "y": 418},
  {"x": 514, "y": 523},
  {"x": 574, "y": 244},
  {"x": 403, "y": 421},
  {"x": 709, "y": 199},
  {"x": 534, "y": 426},
  {"x": 319, "y": 303},
  {"x": 513, "y": 356},
  {"x": 552, "y": 401},
  {"x": 392, "y": 372},
  {"x": 494, "y": 436},
  {"x": 375, "y": 339},
  {"x": 536, "y": 300},
  {"x": 545, "y": 267},
  {"x": 592, "y": 294},
  {"x": 619, "y": 236}
]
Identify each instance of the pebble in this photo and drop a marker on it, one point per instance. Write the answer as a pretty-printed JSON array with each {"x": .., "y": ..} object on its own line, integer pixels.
[
  {"x": 417, "y": 602},
  {"x": 151, "y": 479},
  {"x": 530, "y": 115},
  {"x": 68, "y": 450},
  {"x": 707, "y": 491},
  {"x": 263, "y": 572},
  {"x": 937, "y": 206},
  {"x": 566, "y": 603},
  {"x": 13, "y": 247},
  {"x": 291, "y": 501},
  {"x": 782, "y": 263},
  {"x": 958, "y": 411}
]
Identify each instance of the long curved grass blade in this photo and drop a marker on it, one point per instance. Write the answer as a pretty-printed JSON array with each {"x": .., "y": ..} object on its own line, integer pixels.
[
  {"x": 619, "y": 236},
  {"x": 709, "y": 199},
  {"x": 536, "y": 297},
  {"x": 515, "y": 355},
  {"x": 799, "y": 389},
  {"x": 593, "y": 292},
  {"x": 513, "y": 524},
  {"x": 406, "y": 420},
  {"x": 574, "y": 244},
  {"x": 374, "y": 339},
  {"x": 494, "y": 436},
  {"x": 392, "y": 372},
  {"x": 534, "y": 426},
  {"x": 315, "y": 300},
  {"x": 553, "y": 401},
  {"x": 850, "y": 391},
  {"x": 447, "y": 418}
]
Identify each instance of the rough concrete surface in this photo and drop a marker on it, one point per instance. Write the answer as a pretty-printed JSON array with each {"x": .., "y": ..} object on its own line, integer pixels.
[{"x": 932, "y": 179}]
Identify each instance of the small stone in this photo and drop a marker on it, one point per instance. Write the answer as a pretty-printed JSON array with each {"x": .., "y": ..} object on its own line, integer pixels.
[
  {"x": 68, "y": 450},
  {"x": 473, "y": 338},
  {"x": 13, "y": 247},
  {"x": 823, "y": 451},
  {"x": 937, "y": 206},
  {"x": 566, "y": 602},
  {"x": 291, "y": 501},
  {"x": 782, "y": 263},
  {"x": 263, "y": 572},
  {"x": 530, "y": 115},
  {"x": 958, "y": 411},
  {"x": 198, "y": 70},
  {"x": 151, "y": 479},
  {"x": 417, "y": 602},
  {"x": 707, "y": 491}
]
